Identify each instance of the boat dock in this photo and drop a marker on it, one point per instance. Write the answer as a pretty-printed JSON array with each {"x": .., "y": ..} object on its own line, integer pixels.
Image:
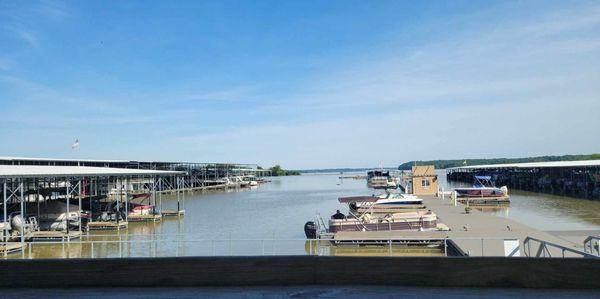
[
  {"x": 474, "y": 233},
  {"x": 44, "y": 236},
  {"x": 107, "y": 225},
  {"x": 172, "y": 213},
  {"x": 580, "y": 179}
]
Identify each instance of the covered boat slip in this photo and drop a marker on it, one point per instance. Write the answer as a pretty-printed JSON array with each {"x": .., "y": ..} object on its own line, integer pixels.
[
  {"x": 28, "y": 191},
  {"x": 474, "y": 233}
]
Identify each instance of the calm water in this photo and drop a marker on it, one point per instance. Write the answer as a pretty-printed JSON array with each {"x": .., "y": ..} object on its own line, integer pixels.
[{"x": 278, "y": 210}]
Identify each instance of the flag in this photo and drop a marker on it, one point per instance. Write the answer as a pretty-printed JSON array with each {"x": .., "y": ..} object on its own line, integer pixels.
[{"x": 76, "y": 144}]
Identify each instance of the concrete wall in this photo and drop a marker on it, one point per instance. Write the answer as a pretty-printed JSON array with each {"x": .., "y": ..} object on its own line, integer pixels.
[{"x": 302, "y": 270}]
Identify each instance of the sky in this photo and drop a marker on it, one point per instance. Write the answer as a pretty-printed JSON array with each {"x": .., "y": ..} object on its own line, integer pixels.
[{"x": 303, "y": 84}]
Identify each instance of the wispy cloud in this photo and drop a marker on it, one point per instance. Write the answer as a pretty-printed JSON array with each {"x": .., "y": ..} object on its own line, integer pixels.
[
  {"x": 26, "y": 36},
  {"x": 509, "y": 61},
  {"x": 237, "y": 93},
  {"x": 515, "y": 78},
  {"x": 4, "y": 64},
  {"x": 56, "y": 10}
]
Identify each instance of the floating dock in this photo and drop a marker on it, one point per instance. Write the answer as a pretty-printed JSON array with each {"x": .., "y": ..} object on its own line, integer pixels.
[
  {"x": 172, "y": 213},
  {"x": 473, "y": 234},
  {"x": 107, "y": 225},
  {"x": 144, "y": 218},
  {"x": 51, "y": 236},
  {"x": 503, "y": 201}
]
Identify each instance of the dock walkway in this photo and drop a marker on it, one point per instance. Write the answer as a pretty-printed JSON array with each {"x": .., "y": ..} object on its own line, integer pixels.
[
  {"x": 476, "y": 233},
  {"x": 493, "y": 229}
]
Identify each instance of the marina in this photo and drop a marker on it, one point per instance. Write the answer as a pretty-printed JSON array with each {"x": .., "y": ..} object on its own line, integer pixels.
[
  {"x": 476, "y": 233},
  {"x": 580, "y": 179}
]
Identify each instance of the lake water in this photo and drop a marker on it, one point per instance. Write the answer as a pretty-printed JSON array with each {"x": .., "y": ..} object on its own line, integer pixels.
[{"x": 246, "y": 221}]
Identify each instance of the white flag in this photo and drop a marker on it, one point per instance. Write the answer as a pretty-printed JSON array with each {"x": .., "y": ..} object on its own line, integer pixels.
[{"x": 76, "y": 144}]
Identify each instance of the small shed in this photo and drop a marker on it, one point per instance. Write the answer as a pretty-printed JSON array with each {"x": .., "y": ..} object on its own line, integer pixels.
[{"x": 424, "y": 180}]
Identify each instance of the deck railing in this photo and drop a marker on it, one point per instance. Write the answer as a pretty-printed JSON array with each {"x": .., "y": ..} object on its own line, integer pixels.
[
  {"x": 591, "y": 245},
  {"x": 539, "y": 248},
  {"x": 173, "y": 245}
]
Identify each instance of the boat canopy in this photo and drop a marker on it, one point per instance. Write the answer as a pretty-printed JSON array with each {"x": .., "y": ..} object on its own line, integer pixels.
[
  {"x": 483, "y": 177},
  {"x": 352, "y": 199}
]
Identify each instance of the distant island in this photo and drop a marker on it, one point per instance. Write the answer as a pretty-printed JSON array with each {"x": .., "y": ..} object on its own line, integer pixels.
[
  {"x": 278, "y": 171},
  {"x": 442, "y": 164}
]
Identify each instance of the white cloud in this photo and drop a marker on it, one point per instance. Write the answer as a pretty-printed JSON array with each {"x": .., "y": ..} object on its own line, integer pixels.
[
  {"x": 518, "y": 87},
  {"x": 26, "y": 36}
]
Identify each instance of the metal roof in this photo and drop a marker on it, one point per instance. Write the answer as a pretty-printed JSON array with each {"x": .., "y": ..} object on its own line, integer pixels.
[
  {"x": 31, "y": 171},
  {"x": 583, "y": 163},
  {"x": 62, "y": 160},
  {"x": 114, "y": 161}
]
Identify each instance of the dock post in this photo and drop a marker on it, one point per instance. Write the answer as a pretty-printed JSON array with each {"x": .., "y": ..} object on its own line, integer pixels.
[
  {"x": 22, "y": 213},
  {"x": 68, "y": 204},
  {"x": 178, "y": 192},
  {"x": 482, "y": 252},
  {"x": 4, "y": 219},
  {"x": 127, "y": 201},
  {"x": 79, "y": 191},
  {"x": 390, "y": 249},
  {"x": 159, "y": 194},
  {"x": 119, "y": 201}
]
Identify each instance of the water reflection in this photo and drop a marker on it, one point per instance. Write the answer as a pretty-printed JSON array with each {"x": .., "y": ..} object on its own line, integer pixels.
[
  {"x": 246, "y": 221},
  {"x": 543, "y": 211}
]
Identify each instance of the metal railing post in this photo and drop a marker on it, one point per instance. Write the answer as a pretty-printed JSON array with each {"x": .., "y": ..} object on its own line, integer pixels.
[
  {"x": 482, "y": 252},
  {"x": 445, "y": 247}
]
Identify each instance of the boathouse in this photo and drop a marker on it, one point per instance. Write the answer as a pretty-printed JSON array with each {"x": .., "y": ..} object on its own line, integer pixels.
[
  {"x": 579, "y": 179},
  {"x": 424, "y": 180}
]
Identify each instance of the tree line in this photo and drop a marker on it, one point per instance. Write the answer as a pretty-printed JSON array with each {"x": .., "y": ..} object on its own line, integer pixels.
[
  {"x": 442, "y": 164},
  {"x": 278, "y": 171}
]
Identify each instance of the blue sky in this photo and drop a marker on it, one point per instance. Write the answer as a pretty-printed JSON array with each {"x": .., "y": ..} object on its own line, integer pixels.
[{"x": 299, "y": 83}]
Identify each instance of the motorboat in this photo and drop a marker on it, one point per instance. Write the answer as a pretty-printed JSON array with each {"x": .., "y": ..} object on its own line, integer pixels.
[
  {"x": 380, "y": 179},
  {"x": 385, "y": 203},
  {"x": 369, "y": 218},
  {"x": 413, "y": 220},
  {"x": 483, "y": 192},
  {"x": 251, "y": 180},
  {"x": 136, "y": 209},
  {"x": 54, "y": 216}
]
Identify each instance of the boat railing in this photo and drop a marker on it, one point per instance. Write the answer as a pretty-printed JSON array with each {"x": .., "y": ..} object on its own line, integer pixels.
[
  {"x": 321, "y": 227},
  {"x": 591, "y": 245},
  {"x": 360, "y": 220},
  {"x": 539, "y": 248}
]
